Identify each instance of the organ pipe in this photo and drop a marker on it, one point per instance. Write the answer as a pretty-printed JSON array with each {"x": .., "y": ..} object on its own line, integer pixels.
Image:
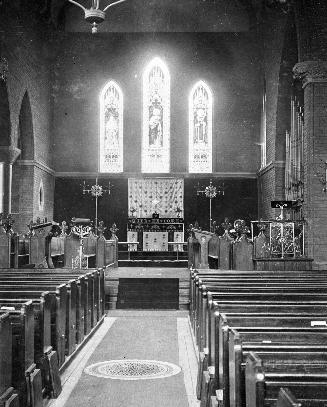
[{"x": 294, "y": 153}]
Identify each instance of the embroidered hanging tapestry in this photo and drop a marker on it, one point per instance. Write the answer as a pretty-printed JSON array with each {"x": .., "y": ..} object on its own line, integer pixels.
[{"x": 164, "y": 196}]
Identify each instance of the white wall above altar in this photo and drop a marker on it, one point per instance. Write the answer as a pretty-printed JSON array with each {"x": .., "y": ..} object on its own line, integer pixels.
[{"x": 162, "y": 195}]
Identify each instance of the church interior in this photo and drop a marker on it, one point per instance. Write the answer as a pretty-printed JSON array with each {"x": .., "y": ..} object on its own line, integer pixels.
[{"x": 163, "y": 189}]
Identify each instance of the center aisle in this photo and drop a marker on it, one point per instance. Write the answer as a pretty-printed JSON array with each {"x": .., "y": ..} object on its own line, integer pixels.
[{"x": 162, "y": 336}]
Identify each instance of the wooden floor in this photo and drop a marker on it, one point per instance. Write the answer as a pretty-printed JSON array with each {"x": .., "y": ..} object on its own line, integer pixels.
[{"x": 113, "y": 275}]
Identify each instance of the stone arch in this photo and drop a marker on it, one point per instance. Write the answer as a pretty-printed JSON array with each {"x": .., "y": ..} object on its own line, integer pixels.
[
  {"x": 5, "y": 124},
  {"x": 22, "y": 173},
  {"x": 25, "y": 140}
]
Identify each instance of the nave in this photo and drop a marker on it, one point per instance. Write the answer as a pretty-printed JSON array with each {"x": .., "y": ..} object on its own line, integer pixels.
[
  {"x": 155, "y": 335},
  {"x": 185, "y": 134},
  {"x": 250, "y": 338}
]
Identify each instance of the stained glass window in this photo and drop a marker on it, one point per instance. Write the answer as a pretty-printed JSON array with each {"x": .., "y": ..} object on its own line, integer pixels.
[
  {"x": 111, "y": 128},
  {"x": 156, "y": 118},
  {"x": 200, "y": 128}
]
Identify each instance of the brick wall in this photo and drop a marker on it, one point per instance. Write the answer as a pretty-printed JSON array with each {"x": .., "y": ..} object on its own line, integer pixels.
[
  {"x": 27, "y": 179},
  {"x": 315, "y": 103},
  {"x": 48, "y": 181},
  {"x": 279, "y": 55},
  {"x": 25, "y": 45},
  {"x": 227, "y": 62}
]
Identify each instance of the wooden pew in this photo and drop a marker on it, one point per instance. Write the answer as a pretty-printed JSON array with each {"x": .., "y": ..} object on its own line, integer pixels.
[
  {"x": 214, "y": 251},
  {"x": 238, "y": 321},
  {"x": 263, "y": 292},
  {"x": 89, "y": 297},
  {"x": 5, "y": 248},
  {"x": 106, "y": 253},
  {"x": 214, "y": 283},
  {"x": 43, "y": 352},
  {"x": 20, "y": 251},
  {"x": 58, "y": 310},
  {"x": 194, "y": 251},
  {"x": 287, "y": 399},
  {"x": 212, "y": 351},
  {"x": 7, "y": 392},
  {"x": 217, "y": 377},
  {"x": 205, "y": 298},
  {"x": 206, "y": 275},
  {"x": 31, "y": 284},
  {"x": 304, "y": 374},
  {"x": 38, "y": 243},
  {"x": 205, "y": 292},
  {"x": 55, "y": 251},
  {"x": 243, "y": 342},
  {"x": 263, "y": 307},
  {"x": 213, "y": 343},
  {"x": 23, "y": 366},
  {"x": 65, "y": 306},
  {"x": 72, "y": 250},
  {"x": 207, "y": 355}
]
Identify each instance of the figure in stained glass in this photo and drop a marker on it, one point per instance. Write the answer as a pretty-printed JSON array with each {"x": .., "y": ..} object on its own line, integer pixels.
[
  {"x": 111, "y": 138},
  {"x": 200, "y": 123},
  {"x": 155, "y": 126}
]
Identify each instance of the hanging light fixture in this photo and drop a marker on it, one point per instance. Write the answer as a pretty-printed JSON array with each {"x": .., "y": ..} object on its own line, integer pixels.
[{"x": 94, "y": 15}]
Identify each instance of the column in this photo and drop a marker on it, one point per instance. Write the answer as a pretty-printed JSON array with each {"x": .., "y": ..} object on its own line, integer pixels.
[
  {"x": 8, "y": 156},
  {"x": 314, "y": 78}
]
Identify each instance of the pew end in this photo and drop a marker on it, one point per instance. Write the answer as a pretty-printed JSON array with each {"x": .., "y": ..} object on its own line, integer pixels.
[{"x": 287, "y": 399}]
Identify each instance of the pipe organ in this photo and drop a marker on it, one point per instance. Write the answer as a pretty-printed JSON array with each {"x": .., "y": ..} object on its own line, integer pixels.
[{"x": 294, "y": 152}]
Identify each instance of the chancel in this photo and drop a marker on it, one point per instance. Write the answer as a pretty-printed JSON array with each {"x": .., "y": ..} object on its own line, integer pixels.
[{"x": 163, "y": 178}]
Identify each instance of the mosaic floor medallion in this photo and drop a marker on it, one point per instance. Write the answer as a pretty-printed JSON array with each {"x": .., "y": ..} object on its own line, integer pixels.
[{"x": 132, "y": 369}]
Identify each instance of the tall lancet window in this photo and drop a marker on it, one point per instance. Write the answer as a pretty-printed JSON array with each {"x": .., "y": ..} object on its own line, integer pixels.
[
  {"x": 200, "y": 128},
  {"x": 111, "y": 128},
  {"x": 156, "y": 118}
]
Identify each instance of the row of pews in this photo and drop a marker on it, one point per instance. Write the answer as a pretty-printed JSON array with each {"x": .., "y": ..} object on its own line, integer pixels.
[
  {"x": 45, "y": 317},
  {"x": 234, "y": 250},
  {"x": 47, "y": 245},
  {"x": 224, "y": 252},
  {"x": 261, "y": 336}
]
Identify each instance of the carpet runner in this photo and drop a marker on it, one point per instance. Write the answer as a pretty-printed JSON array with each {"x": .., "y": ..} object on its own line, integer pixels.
[{"x": 151, "y": 363}]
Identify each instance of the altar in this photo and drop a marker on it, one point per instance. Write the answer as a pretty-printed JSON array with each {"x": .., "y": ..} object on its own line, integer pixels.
[
  {"x": 155, "y": 234},
  {"x": 156, "y": 208}
]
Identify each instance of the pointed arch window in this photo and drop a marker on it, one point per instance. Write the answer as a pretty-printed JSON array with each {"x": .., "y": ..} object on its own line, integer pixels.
[
  {"x": 200, "y": 128},
  {"x": 111, "y": 128},
  {"x": 156, "y": 118}
]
